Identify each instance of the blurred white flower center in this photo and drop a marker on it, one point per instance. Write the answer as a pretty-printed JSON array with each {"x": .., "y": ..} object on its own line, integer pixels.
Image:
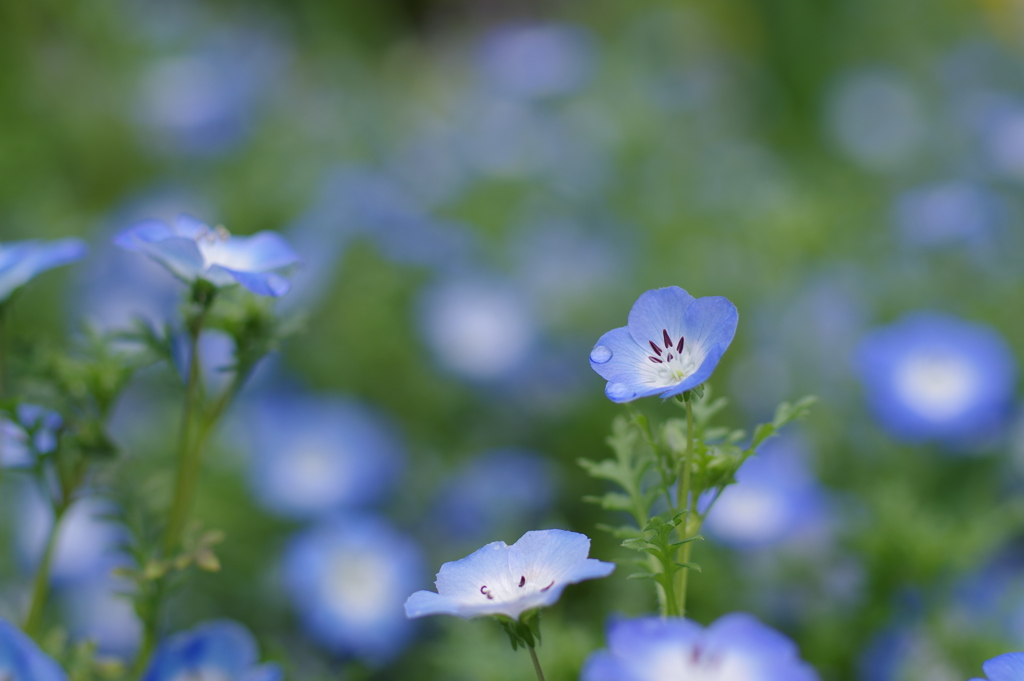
[
  {"x": 938, "y": 386},
  {"x": 359, "y": 586},
  {"x": 693, "y": 664},
  {"x": 747, "y": 512},
  {"x": 312, "y": 470}
]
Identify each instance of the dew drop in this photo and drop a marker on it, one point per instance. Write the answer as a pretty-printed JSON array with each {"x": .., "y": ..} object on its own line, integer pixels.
[
  {"x": 600, "y": 354},
  {"x": 618, "y": 391}
]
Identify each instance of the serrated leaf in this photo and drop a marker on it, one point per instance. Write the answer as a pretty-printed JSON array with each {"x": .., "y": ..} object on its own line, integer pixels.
[
  {"x": 762, "y": 433},
  {"x": 636, "y": 544},
  {"x": 689, "y": 566},
  {"x": 641, "y": 575},
  {"x": 695, "y": 537},
  {"x": 622, "y": 531}
]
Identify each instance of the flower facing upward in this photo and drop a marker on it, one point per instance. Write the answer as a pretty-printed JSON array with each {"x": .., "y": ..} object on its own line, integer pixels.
[
  {"x": 1008, "y": 667},
  {"x": 499, "y": 579},
  {"x": 672, "y": 343},
  {"x": 21, "y": 261},
  {"x": 737, "y": 647},
  {"x": 22, "y": 660},
  {"x": 221, "y": 650},
  {"x": 193, "y": 250}
]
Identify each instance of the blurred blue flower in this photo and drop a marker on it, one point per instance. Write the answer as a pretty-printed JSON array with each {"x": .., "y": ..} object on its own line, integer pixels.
[
  {"x": 313, "y": 455},
  {"x": 1000, "y": 123},
  {"x": 221, "y": 649},
  {"x": 932, "y": 376},
  {"x": 736, "y": 646},
  {"x": 1007, "y": 667},
  {"x": 775, "y": 499},
  {"x": 499, "y": 579},
  {"x": 346, "y": 577},
  {"x": 477, "y": 327},
  {"x": 22, "y": 660},
  {"x": 949, "y": 214},
  {"x": 534, "y": 61},
  {"x": 21, "y": 261},
  {"x": 33, "y": 431},
  {"x": 193, "y": 250},
  {"x": 672, "y": 343},
  {"x": 98, "y": 609},
  {"x": 203, "y": 102},
  {"x": 905, "y": 653},
  {"x": 88, "y": 542},
  {"x": 499, "y": 492},
  {"x": 876, "y": 118}
]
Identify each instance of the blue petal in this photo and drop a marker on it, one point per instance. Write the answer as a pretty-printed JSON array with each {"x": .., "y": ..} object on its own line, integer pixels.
[
  {"x": 1008, "y": 667},
  {"x": 656, "y": 312},
  {"x": 190, "y": 227},
  {"x": 603, "y": 666},
  {"x": 21, "y": 261},
  {"x": 486, "y": 565},
  {"x": 424, "y": 603},
  {"x": 21, "y": 657},
  {"x": 261, "y": 283},
  {"x": 257, "y": 253},
  {"x": 156, "y": 239},
  {"x": 710, "y": 323},
  {"x": 626, "y": 357},
  {"x": 557, "y": 550}
]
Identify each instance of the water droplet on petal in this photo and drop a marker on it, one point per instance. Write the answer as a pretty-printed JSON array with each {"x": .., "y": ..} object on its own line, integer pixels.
[
  {"x": 618, "y": 391},
  {"x": 600, "y": 354}
]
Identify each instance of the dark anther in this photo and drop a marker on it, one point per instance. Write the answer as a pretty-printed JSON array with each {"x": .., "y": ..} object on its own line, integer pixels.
[
  {"x": 680, "y": 346},
  {"x": 654, "y": 359},
  {"x": 668, "y": 340},
  {"x": 522, "y": 581},
  {"x": 486, "y": 592},
  {"x": 548, "y": 586},
  {"x": 670, "y": 356},
  {"x": 654, "y": 346}
]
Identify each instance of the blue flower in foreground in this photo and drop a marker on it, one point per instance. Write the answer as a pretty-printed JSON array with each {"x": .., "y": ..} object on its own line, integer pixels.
[
  {"x": 21, "y": 261},
  {"x": 222, "y": 650},
  {"x": 1008, "y": 667},
  {"x": 671, "y": 344},
  {"x": 737, "y": 647},
  {"x": 193, "y": 250},
  {"x": 933, "y": 376},
  {"x": 22, "y": 660},
  {"x": 314, "y": 455},
  {"x": 499, "y": 579},
  {"x": 346, "y": 578}
]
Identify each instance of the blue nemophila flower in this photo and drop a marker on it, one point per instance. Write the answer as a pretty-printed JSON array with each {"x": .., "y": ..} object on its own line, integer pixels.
[
  {"x": 499, "y": 579},
  {"x": 21, "y": 261},
  {"x": 347, "y": 578},
  {"x": 1008, "y": 667},
  {"x": 672, "y": 343},
  {"x": 97, "y": 610},
  {"x": 221, "y": 649},
  {"x": 193, "y": 250},
  {"x": 314, "y": 455},
  {"x": 932, "y": 376},
  {"x": 736, "y": 647},
  {"x": 22, "y": 660}
]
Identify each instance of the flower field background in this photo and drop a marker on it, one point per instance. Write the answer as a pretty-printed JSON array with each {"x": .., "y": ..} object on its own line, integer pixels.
[{"x": 468, "y": 196}]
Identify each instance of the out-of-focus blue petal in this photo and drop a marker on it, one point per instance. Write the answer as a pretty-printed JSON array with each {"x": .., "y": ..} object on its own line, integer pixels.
[
  {"x": 21, "y": 261},
  {"x": 22, "y": 660},
  {"x": 261, "y": 283},
  {"x": 1008, "y": 667},
  {"x": 218, "y": 649}
]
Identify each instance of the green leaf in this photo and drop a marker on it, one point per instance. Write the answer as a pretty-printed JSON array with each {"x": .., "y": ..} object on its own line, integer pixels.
[
  {"x": 695, "y": 537},
  {"x": 620, "y": 532},
  {"x": 689, "y": 566},
  {"x": 641, "y": 575},
  {"x": 636, "y": 544},
  {"x": 612, "y": 501}
]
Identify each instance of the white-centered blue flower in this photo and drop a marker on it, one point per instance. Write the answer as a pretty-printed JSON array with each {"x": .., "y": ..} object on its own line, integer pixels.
[
  {"x": 21, "y": 261},
  {"x": 499, "y": 579},
  {"x": 1008, "y": 667},
  {"x": 22, "y": 660},
  {"x": 736, "y": 647},
  {"x": 672, "y": 343},
  {"x": 193, "y": 250},
  {"x": 220, "y": 650},
  {"x": 932, "y": 376},
  {"x": 347, "y": 577}
]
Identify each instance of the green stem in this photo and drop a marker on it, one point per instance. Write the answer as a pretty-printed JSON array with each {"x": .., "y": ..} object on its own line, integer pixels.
[
  {"x": 685, "y": 501},
  {"x": 536, "y": 663},
  {"x": 41, "y": 584}
]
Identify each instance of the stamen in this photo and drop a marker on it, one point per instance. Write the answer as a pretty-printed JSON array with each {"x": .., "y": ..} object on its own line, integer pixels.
[
  {"x": 548, "y": 586},
  {"x": 654, "y": 359},
  {"x": 522, "y": 581},
  {"x": 680, "y": 346},
  {"x": 670, "y": 356},
  {"x": 486, "y": 592},
  {"x": 668, "y": 340},
  {"x": 654, "y": 346}
]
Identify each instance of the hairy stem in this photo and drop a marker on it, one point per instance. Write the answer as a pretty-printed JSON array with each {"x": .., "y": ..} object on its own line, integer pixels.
[
  {"x": 686, "y": 503},
  {"x": 536, "y": 663}
]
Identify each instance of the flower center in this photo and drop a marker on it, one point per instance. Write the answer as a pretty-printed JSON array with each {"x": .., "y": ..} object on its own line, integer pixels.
[
  {"x": 524, "y": 587},
  {"x": 672, "y": 361}
]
